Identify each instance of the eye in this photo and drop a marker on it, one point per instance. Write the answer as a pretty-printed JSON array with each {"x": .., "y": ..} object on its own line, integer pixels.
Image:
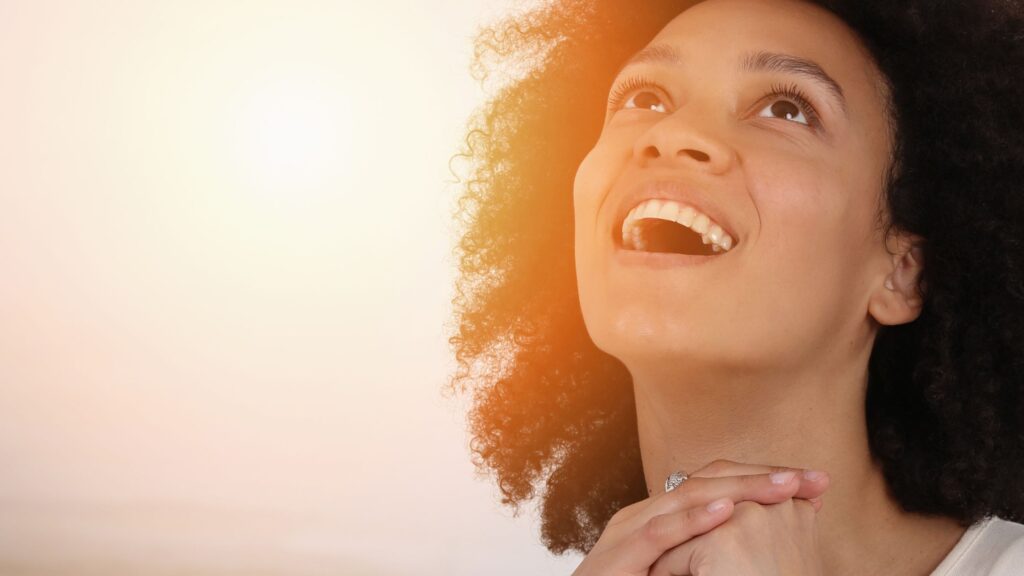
[
  {"x": 637, "y": 93},
  {"x": 790, "y": 104},
  {"x": 645, "y": 101}
]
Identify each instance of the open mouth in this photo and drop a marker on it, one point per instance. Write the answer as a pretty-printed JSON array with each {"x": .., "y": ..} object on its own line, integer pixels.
[
  {"x": 669, "y": 227},
  {"x": 654, "y": 235}
]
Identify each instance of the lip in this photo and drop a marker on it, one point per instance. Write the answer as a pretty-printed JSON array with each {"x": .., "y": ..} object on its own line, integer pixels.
[
  {"x": 661, "y": 260},
  {"x": 677, "y": 192}
]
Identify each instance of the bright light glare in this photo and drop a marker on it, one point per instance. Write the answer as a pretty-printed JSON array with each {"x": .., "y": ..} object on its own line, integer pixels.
[{"x": 292, "y": 136}]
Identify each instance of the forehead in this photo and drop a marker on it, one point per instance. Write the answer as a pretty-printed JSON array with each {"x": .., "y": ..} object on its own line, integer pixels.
[
  {"x": 719, "y": 35},
  {"x": 717, "y": 29},
  {"x": 782, "y": 23}
]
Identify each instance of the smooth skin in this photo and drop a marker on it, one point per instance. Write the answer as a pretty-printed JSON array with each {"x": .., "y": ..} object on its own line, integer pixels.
[
  {"x": 648, "y": 537},
  {"x": 759, "y": 356}
]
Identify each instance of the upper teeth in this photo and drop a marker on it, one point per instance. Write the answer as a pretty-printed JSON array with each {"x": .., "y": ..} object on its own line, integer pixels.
[{"x": 674, "y": 212}]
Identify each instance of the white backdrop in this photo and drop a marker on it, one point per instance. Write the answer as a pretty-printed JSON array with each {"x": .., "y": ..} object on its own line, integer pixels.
[{"x": 225, "y": 232}]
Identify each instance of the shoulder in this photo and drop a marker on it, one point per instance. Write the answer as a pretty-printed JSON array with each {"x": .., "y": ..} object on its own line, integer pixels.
[
  {"x": 1005, "y": 540},
  {"x": 990, "y": 547}
]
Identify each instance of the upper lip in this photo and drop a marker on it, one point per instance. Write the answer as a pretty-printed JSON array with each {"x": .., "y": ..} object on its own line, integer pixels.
[{"x": 671, "y": 190}]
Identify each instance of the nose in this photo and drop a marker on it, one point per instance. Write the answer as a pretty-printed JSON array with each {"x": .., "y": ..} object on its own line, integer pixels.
[{"x": 678, "y": 139}]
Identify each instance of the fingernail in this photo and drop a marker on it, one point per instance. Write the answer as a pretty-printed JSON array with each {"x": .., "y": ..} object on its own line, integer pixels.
[
  {"x": 718, "y": 505},
  {"x": 782, "y": 477},
  {"x": 813, "y": 475}
]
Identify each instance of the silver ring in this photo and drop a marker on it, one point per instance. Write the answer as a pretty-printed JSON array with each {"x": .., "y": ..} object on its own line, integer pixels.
[{"x": 674, "y": 480}]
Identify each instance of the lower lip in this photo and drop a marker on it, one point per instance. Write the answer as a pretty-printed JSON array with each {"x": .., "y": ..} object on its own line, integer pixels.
[{"x": 660, "y": 259}]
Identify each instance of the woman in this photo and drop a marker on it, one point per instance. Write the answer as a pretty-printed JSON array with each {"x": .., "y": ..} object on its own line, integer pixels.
[{"x": 795, "y": 241}]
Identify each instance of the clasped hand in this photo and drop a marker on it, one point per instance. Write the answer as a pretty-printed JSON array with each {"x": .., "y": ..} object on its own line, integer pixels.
[{"x": 765, "y": 525}]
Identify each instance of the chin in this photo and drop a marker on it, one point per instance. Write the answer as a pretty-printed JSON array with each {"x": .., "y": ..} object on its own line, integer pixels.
[{"x": 646, "y": 336}]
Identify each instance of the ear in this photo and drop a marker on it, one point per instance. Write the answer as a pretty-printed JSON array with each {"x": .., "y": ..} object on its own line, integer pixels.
[{"x": 896, "y": 297}]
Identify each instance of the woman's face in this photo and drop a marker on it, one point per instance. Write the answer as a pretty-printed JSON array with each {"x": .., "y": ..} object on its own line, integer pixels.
[{"x": 795, "y": 185}]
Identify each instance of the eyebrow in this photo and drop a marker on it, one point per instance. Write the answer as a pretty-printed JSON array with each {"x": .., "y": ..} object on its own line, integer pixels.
[{"x": 759, "y": 61}]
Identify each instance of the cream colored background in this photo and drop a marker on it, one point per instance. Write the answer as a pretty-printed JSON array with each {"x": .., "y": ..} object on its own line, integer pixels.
[{"x": 225, "y": 244}]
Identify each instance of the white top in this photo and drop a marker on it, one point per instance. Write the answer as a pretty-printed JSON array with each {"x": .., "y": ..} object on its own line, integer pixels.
[{"x": 990, "y": 547}]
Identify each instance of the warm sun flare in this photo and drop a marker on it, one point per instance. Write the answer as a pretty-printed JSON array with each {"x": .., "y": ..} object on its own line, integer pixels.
[{"x": 292, "y": 135}]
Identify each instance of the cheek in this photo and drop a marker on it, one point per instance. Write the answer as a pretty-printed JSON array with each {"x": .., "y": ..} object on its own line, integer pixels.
[
  {"x": 586, "y": 183},
  {"x": 590, "y": 187},
  {"x": 605, "y": 162},
  {"x": 594, "y": 178},
  {"x": 598, "y": 169},
  {"x": 805, "y": 240},
  {"x": 800, "y": 207}
]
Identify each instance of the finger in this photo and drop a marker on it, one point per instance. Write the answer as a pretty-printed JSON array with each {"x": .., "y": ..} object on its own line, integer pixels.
[
  {"x": 699, "y": 491},
  {"x": 632, "y": 510},
  {"x": 676, "y": 562},
  {"x": 666, "y": 531},
  {"x": 812, "y": 487},
  {"x": 722, "y": 467},
  {"x": 683, "y": 560},
  {"x": 813, "y": 482}
]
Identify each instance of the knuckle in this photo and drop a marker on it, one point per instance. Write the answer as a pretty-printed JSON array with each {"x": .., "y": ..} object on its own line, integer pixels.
[
  {"x": 617, "y": 518},
  {"x": 623, "y": 512}
]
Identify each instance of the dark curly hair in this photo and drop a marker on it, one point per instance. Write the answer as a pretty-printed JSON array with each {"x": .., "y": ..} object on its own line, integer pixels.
[{"x": 944, "y": 407}]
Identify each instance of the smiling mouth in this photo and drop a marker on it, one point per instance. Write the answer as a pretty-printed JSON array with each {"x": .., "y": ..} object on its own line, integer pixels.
[
  {"x": 653, "y": 235},
  {"x": 669, "y": 227}
]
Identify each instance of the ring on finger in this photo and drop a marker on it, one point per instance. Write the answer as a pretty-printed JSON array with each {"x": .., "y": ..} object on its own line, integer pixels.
[{"x": 674, "y": 480}]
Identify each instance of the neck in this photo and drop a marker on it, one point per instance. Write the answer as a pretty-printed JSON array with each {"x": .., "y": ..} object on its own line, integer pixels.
[{"x": 813, "y": 419}]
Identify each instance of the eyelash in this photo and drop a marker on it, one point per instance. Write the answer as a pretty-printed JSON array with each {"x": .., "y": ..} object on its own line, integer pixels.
[{"x": 618, "y": 96}]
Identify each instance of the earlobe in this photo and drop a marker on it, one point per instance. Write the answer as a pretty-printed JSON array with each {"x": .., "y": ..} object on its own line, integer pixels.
[{"x": 898, "y": 300}]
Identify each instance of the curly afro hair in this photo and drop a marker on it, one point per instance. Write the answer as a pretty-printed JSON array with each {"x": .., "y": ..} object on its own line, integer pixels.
[{"x": 553, "y": 417}]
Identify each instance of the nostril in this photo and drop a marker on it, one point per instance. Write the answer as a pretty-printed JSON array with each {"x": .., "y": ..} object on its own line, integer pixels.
[
  {"x": 651, "y": 152},
  {"x": 696, "y": 155}
]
